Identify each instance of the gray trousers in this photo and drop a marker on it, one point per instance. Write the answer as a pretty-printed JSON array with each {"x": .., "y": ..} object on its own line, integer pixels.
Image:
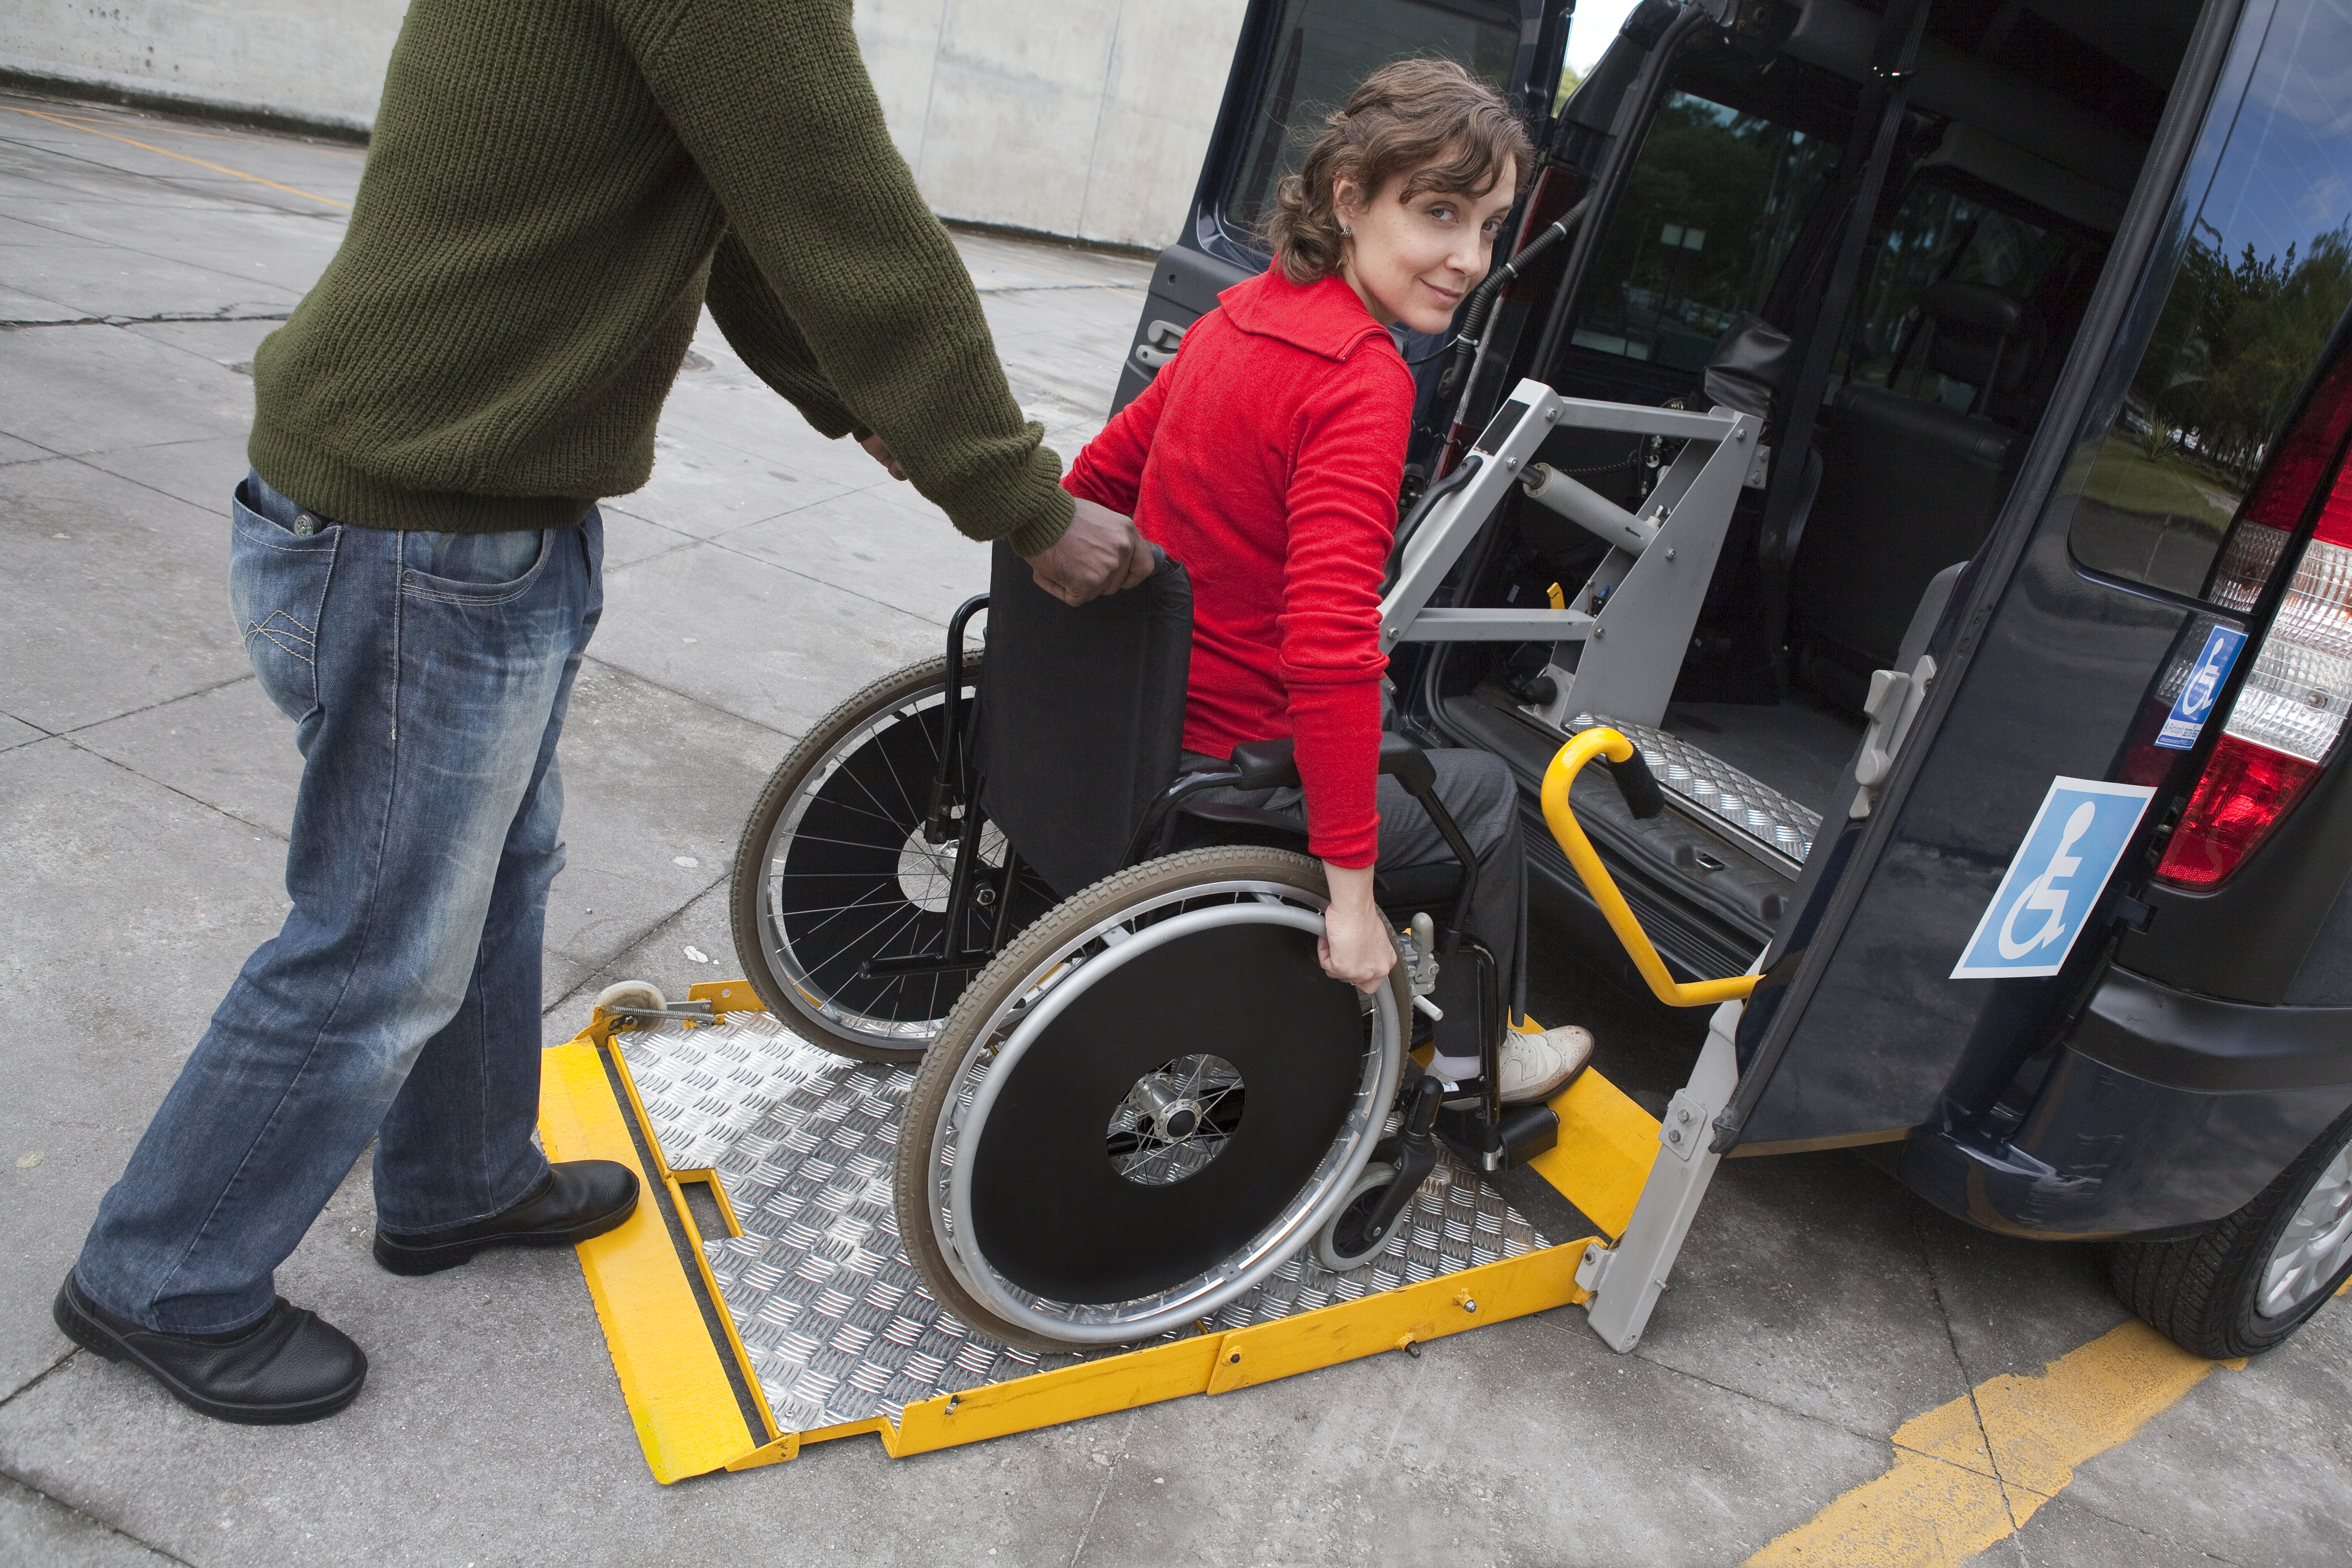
[{"x": 1477, "y": 790}]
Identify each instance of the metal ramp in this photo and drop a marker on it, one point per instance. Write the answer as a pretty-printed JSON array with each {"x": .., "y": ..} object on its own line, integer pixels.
[{"x": 760, "y": 1300}]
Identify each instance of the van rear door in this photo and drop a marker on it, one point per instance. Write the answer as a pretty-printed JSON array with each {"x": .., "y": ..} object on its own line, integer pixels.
[
  {"x": 1298, "y": 61},
  {"x": 1947, "y": 936}
]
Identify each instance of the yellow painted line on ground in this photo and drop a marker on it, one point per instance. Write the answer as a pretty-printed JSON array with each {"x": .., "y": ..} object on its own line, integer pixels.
[
  {"x": 183, "y": 157},
  {"x": 88, "y": 124},
  {"x": 1968, "y": 1474}
]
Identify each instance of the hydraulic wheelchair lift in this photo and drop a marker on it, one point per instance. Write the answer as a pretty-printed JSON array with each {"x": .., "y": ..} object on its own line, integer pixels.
[{"x": 762, "y": 1298}]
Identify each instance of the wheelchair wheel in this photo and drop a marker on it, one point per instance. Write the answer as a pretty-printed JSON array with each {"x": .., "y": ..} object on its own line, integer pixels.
[
  {"x": 834, "y": 869},
  {"x": 1346, "y": 1243},
  {"x": 1150, "y": 1102}
]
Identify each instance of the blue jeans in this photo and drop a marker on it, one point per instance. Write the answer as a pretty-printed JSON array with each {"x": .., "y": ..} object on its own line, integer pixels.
[{"x": 426, "y": 675}]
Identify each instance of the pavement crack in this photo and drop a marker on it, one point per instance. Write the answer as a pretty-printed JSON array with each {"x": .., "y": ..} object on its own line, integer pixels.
[
  {"x": 1546, "y": 1319},
  {"x": 221, "y": 684},
  {"x": 39, "y": 1377},
  {"x": 2142, "y": 1532},
  {"x": 221, "y": 812},
  {"x": 226, "y": 313},
  {"x": 91, "y": 1519},
  {"x": 1109, "y": 1476},
  {"x": 1960, "y": 1365},
  {"x": 1053, "y": 288}
]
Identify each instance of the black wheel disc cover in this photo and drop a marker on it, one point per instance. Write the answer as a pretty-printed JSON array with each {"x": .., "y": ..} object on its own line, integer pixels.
[{"x": 1050, "y": 1213}]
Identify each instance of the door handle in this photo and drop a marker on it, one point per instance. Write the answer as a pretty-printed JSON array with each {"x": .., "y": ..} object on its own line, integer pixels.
[{"x": 1161, "y": 341}]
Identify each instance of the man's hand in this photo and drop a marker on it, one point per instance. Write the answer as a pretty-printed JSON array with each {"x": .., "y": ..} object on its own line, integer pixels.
[
  {"x": 1355, "y": 946},
  {"x": 879, "y": 450},
  {"x": 1102, "y": 552}
]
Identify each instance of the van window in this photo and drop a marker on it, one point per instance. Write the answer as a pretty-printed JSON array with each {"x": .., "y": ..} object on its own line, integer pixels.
[
  {"x": 2263, "y": 277},
  {"x": 1939, "y": 232},
  {"x": 1322, "y": 49},
  {"x": 1711, "y": 209}
]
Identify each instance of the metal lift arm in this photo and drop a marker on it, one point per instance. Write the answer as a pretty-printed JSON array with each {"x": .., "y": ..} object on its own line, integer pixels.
[
  {"x": 1647, "y": 591},
  {"x": 1626, "y": 1280}
]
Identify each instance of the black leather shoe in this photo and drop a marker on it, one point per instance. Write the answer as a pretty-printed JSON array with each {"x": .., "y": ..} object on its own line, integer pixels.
[
  {"x": 291, "y": 1366},
  {"x": 578, "y": 1199}
]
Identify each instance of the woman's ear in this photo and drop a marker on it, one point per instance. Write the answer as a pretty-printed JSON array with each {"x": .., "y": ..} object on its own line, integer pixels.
[{"x": 1347, "y": 202}]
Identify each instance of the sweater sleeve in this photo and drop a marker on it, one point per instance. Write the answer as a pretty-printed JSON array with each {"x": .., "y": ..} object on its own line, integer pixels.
[
  {"x": 1350, "y": 460},
  {"x": 1110, "y": 471},
  {"x": 758, "y": 327},
  {"x": 773, "y": 103}
]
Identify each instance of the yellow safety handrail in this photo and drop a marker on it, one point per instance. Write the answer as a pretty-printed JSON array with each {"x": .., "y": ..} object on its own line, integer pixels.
[{"x": 1603, "y": 741}]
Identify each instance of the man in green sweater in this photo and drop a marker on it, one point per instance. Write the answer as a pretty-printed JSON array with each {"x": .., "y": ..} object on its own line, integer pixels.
[{"x": 554, "y": 191}]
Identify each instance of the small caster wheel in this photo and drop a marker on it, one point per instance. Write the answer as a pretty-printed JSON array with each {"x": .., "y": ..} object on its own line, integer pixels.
[
  {"x": 631, "y": 993},
  {"x": 1343, "y": 1246}
]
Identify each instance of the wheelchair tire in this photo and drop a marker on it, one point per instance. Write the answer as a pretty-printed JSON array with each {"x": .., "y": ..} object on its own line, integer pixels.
[
  {"x": 831, "y": 872},
  {"x": 1151, "y": 1099},
  {"x": 1342, "y": 1246}
]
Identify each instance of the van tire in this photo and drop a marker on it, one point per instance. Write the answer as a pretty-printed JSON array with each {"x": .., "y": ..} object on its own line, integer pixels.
[{"x": 2202, "y": 1292}]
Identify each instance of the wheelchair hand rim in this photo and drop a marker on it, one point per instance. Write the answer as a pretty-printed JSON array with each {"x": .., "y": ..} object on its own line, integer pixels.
[{"x": 1293, "y": 1227}]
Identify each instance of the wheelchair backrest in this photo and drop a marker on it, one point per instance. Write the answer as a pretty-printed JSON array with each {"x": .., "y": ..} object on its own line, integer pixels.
[{"x": 1081, "y": 715}]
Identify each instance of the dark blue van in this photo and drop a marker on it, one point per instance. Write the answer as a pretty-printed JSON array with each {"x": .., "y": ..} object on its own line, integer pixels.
[{"x": 2004, "y": 733}]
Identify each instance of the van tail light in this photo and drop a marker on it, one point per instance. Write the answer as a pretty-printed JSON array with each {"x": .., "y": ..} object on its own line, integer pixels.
[{"x": 2290, "y": 708}]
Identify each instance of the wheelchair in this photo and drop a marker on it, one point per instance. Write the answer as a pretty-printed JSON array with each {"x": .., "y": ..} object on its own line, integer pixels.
[{"x": 1137, "y": 1095}]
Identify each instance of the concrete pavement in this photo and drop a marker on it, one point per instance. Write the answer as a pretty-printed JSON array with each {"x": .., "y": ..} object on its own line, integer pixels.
[{"x": 145, "y": 787}]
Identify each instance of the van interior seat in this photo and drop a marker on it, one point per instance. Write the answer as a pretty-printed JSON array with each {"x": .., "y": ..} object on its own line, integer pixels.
[{"x": 1908, "y": 486}]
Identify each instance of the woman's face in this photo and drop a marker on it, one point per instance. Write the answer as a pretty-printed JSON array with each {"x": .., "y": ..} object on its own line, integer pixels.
[{"x": 1411, "y": 260}]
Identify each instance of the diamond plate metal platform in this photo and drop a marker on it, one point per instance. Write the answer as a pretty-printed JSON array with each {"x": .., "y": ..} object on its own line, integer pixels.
[
  {"x": 1780, "y": 828},
  {"x": 831, "y": 1316}
]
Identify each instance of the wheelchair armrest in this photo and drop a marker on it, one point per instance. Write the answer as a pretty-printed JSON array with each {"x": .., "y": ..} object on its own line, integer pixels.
[
  {"x": 1409, "y": 764},
  {"x": 1266, "y": 765},
  {"x": 1273, "y": 765}
]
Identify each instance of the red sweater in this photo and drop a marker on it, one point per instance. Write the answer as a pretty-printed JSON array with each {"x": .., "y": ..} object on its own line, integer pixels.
[{"x": 1266, "y": 457}]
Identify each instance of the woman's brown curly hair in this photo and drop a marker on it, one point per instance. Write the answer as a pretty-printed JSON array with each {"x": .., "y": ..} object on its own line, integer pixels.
[{"x": 1427, "y": 120}]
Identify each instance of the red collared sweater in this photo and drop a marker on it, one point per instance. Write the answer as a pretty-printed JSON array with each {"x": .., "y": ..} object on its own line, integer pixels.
[{"x": 1266, "y": 457}]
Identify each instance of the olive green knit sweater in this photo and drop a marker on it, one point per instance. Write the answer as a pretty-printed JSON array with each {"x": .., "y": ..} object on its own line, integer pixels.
[{"x": 553, "y": 189}]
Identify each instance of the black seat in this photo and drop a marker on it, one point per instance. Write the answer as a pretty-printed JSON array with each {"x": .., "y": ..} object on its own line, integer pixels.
[{"x": 1908, "y": 487}]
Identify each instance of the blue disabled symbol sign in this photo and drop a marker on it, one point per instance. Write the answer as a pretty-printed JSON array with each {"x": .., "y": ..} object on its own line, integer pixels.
[
  {"x": 2191, "y": 709},
  {"x": 2054, "y": 880}
]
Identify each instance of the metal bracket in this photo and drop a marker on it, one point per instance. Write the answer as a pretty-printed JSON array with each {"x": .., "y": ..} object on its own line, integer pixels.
[
  {"x": 1680, "y": 1130},
  {"x": 691, "y": 1013},
  {"x": 1625, "y": 1280},
  {"x": 1894, "y": 701},
  {"x": 1648, "y": 589}
]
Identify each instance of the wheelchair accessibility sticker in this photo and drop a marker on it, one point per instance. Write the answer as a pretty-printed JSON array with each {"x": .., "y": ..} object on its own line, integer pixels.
[
  {"x": 2195, "y": 703},
  {"x": 2045, "y": 898}
]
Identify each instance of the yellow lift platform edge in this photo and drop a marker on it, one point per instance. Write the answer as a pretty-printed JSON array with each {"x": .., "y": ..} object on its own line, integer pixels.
[
  {"x": 697, "y": 1408},
  {"x": 689, "y": 1385}
]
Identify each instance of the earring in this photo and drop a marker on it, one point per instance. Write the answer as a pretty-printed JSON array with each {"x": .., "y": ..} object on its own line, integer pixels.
[{"x": 1345, "y": 232}]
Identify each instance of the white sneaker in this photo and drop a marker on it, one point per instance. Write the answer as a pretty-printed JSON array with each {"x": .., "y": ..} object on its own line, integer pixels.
[{"x": 1536, "y": 1067}]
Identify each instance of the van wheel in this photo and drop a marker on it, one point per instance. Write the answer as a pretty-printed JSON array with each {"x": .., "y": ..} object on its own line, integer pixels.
[{"x": 2251, "y": 1279}]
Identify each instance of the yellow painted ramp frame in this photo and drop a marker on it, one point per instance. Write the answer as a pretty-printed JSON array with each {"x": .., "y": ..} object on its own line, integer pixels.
[{"x": 697, "y": 1408}]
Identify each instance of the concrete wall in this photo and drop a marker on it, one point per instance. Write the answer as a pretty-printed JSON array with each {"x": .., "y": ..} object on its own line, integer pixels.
[
  {"x": 312, "y": 59},
  {"x": 1086, "y": 119}
]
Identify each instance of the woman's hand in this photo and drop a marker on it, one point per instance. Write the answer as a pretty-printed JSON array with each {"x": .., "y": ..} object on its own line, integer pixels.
[{"x": 1355, "y": 945}]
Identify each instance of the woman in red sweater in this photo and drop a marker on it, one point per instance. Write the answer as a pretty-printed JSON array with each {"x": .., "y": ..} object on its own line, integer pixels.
[{"x": 1266, "y": 456}]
